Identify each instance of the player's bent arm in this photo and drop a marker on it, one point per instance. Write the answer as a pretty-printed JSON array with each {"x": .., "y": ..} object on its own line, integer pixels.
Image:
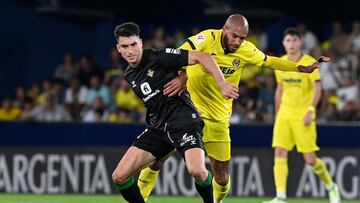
[
  {"x": 278, "y": 96},
  {"x": 228, "y": 90},
  {"x": 209, "y": 64}
]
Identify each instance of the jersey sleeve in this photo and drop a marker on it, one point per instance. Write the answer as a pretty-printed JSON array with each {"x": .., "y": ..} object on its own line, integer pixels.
[
  {"x": 253, "y": 55},
  {"x": 170, "y": 57},
  {"x": 198, "y": 42}
]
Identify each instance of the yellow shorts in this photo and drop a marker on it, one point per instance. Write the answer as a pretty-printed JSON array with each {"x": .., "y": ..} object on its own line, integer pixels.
[
  {"x": 216, "y": 138},
  {"x": 288, "y": 133}
]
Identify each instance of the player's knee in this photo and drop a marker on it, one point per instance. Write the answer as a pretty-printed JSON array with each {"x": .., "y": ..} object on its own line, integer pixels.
[
  {"x": 222, "y": 179},
  {"x": 310, "y": 160},
  {"x": 118, "y": 178},
  {"x": 198, "y": 172}
]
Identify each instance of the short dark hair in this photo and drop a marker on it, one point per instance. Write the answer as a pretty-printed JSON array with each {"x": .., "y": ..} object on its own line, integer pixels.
[
  {"x": 292, "y": 31},
  {"x": 126, "y": 30}
]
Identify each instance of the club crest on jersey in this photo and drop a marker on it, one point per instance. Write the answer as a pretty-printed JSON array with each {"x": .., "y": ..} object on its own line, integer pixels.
[
  {"x": 150, "y": 72},
  {"x": 200, "y": 38},
  {"x": 236, "y": 63}
]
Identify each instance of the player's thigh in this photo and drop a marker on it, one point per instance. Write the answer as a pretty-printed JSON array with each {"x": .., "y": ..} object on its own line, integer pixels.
[
  {"x": 195, "y": 160},
  {"x": 133, "y": 160},
  {"x": 216, "y": 131},
  {"x": 305, "y": 136},
  {"x": 282, "y": 134},
  {"x": 220, "y": 151}
]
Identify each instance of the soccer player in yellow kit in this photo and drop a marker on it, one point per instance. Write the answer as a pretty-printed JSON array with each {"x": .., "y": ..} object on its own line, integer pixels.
[
  {"x": 296, "y": 98},
  {"x": 232, "y": 52}
]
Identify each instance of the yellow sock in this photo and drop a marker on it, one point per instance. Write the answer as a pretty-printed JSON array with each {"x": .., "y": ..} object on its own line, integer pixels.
[
  {"x": 220, "y": 191},
  {"x": 146, "y": 181},
  {"x": 281, "y": 172},
  {"x": 322, "y": 172}
]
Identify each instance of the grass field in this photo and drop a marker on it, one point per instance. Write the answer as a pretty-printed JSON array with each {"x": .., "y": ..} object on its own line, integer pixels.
[{"x": 15, "y": 198}]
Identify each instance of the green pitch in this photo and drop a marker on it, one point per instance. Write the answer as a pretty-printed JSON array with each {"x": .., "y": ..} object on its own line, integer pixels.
[{"x": 16, "y": 198}]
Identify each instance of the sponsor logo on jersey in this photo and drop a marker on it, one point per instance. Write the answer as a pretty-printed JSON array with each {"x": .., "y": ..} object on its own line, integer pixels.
[
  {"x": 227, "y": 72},
  {"x": 291, "y": 80},
  {"x": 172, "y": 51},
  {"x": 236, "y": 63},
  {"x": 199, "y": 39},
  {"x": 133, "y": 84},
  {"x": 150, "y": 72},
  {"x": 187, "y": 138}
]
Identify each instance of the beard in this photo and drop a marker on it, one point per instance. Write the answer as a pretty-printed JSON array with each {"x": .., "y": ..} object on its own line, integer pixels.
[{"x": 225, "y": 44}]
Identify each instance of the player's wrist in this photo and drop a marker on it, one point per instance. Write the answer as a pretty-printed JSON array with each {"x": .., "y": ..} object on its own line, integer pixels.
[{"x": 311, "y": 109}]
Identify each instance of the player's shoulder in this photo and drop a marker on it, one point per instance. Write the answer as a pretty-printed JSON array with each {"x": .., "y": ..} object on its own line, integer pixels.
[
  {"x": 285, "y": 57},
  {"x": 207, "y": 35},
  {"x": 308, "y": 58}
]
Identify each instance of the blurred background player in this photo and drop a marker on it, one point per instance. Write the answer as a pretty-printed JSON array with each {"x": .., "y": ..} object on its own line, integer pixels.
[
  {"x": 232, "y": 52},
  {"x": 296, "y": 98}
]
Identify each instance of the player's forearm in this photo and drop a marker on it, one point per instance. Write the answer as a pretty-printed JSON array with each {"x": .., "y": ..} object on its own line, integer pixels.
[
  {"x": 209, "y": 64},
  {"x": 213, "y": 68},
  {"x": 317, "y": 94},
  {"x": 280, "y": 64}
]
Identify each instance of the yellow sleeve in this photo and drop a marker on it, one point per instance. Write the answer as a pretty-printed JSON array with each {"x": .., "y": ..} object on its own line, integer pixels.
[
  {"x": 252, "y": 54},
  {"x": 198, "y": 42},
  {"x": 280, "y": 64},
  {"x": 315, "y": 76},
  {"x": 278, "y": 76}
]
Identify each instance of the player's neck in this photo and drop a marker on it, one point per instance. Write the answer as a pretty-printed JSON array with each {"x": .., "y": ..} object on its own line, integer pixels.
[{"x": 295, "y": 57}]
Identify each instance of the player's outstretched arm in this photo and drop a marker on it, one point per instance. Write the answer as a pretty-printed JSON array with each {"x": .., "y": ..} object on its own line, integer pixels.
[
  {"x": 286, "y": 65},
  {"x": 227, "y": 89}
]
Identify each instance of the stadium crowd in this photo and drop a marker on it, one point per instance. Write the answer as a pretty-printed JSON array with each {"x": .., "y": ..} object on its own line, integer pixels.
[{"x": 80, "y": 90}]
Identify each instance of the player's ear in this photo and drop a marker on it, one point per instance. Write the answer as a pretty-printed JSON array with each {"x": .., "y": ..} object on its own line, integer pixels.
[
  {"x": 140, "y": 43},
  {"x": 118, "y": 47}
]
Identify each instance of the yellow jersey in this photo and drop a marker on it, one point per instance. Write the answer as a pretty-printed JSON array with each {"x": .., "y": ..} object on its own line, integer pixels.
[
  {"x": 297, "y": 93},
  {"x": 202, "y": 87}
]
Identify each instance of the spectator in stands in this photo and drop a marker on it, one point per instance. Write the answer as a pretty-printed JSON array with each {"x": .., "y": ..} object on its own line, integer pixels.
[
  {"x": 347, "y": 93},
  {"x": 126, "y": 99},
  {"x": 27, "y": 108},
  {"x": 50, "y": 111},
  {"x": 309, "y": 40},
  {"x": 339, "y": 39},
  {"x": 9, "y": 112},
  {"x": 59, "y": 91},
  {"x": 97, "y": 112},
  {"x": 265, "y": 102},
  {"x": 121, "y": 115},
  {"x": 357, "y": 110},
  {"x": 159, "y": 39},
  {"x": 20, "y": 96},
  {"x": 348, "y": 112},
  {"x": 101, "y": 90},
  {"x": 88, "y": 68},
  {"x": 331, "y": 113},
  {"x": 246, "y": 103},
  {"x": 66, "y": 70},
  {"x": 75, "y": 97},
  {"x": 47, "y": 88},
  {"x": 354, "y": 39},
  {"x": 179, "y": 38},
  {"x": 34, "y": 93},
  {"x": 116, "y": 68}
]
